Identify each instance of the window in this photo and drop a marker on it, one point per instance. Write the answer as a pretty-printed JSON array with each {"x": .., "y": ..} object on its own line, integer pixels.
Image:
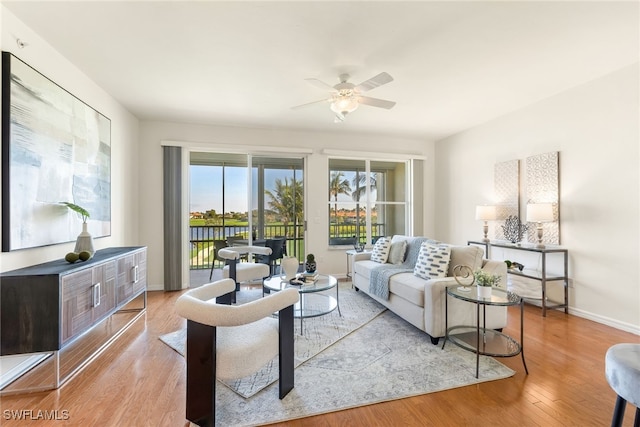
[{"x": 367, "y": 200}]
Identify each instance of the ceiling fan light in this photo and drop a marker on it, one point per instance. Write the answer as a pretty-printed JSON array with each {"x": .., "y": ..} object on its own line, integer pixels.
[{"x": 344, "y": 104}]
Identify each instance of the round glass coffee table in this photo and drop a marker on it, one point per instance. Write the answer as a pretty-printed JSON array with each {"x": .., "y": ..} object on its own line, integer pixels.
[{"x": 312, "y": 303}]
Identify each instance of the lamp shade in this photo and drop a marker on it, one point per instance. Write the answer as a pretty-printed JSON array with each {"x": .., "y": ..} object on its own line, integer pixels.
[
  {"x": 485, "y": 213},
  {"x": 540, "y": 212}
]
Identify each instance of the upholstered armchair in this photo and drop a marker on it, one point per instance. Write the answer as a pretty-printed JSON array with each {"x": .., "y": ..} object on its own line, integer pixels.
[{"x": 233, "y": 341}]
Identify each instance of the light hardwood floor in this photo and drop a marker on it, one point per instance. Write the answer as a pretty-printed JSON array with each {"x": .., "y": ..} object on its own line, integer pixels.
[{"x": 139, "y": 381}]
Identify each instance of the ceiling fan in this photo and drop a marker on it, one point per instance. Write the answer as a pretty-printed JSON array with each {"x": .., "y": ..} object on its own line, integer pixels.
[{"x": 345, "y": 97}]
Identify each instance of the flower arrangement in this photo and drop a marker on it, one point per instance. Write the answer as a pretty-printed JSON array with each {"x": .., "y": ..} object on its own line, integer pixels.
[{"x": 485, "y": 279}]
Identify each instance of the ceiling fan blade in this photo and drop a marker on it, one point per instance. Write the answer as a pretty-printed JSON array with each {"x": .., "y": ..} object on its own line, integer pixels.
[
  {"x": 374, "y": 82},
  {"x": 311, "y": 103},
  {"x": 321, "y": 85},
  {"x": 376, "y": 102}
]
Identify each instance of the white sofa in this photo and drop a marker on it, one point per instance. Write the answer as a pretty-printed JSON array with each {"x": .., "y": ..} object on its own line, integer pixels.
[{"x": 422, "y": 302}]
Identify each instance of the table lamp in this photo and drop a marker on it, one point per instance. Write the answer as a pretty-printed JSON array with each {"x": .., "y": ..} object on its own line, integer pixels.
[
  {"x": 539, "y": 213},
  {"x": 485, "y": 213}
]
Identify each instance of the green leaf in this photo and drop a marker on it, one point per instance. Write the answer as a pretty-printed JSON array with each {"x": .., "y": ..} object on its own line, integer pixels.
[{"x": 79, "y": 210}]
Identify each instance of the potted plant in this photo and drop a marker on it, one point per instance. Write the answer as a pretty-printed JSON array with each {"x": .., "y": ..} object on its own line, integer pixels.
[
  {"x": 310, "y": 265},
  {"x": 84, "y": 242},
  {"x": 485, "y": 281}
]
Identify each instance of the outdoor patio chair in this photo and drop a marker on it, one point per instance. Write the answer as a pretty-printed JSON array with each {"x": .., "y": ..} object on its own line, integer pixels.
[
  {"x": 278, "y": 250},
  {"x": 218, "y": 244},
  {"x": 243, "y": 271}
]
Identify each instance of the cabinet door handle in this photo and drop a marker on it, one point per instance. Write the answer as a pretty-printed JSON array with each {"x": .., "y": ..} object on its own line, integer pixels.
[
  {"x": 135, "y": 274},
  {"x": 96, "y": 294}
]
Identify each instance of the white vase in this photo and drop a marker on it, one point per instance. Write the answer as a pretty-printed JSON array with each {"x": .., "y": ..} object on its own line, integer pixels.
[
  {"x": 484, "y": 292},
  {"x": 289, "y": 267},
  {"x": 84, "y": 242}
]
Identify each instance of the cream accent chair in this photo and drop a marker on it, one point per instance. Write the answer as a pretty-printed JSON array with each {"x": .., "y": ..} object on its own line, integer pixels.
[
  {"x": 233, "y": 341},
  {"x": 243, "y": 271}
]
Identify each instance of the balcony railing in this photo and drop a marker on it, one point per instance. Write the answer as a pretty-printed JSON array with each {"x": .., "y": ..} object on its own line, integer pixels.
[{"x": 202, "y": 239}]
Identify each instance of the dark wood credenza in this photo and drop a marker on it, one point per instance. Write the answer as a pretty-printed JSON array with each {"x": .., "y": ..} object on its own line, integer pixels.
[{"x": 48, "y": 307}]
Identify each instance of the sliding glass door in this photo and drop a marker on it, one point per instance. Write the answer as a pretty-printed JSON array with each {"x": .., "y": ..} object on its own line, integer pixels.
[{"x": 243, "y": 198}]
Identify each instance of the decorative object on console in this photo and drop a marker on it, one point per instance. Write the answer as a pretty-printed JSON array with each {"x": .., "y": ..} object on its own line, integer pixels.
[
  {"x": 485, "y": 213},
  {"x": 513, "y": 229},
  {"x": 289, "y": 266},
  {"x": 358, "y": 247},
  {"x": 72, "y": 257},
  {"x": 310, "y": 265},
  {"x": 84, "y": 242},
  {"x": 513, "y": 265},
  {"x": 539, "y": 213}
]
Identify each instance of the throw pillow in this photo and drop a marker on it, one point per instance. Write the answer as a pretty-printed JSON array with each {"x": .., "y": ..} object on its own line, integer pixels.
[
  {"x": 466, "y": 255},
  {"x": 396, "y": 252},
  {"x": 433, "y": 261},
  {"x": 380, "y": 251}
]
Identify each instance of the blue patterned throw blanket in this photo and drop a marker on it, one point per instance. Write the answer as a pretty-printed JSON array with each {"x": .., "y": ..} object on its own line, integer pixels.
[{"x": 380, "y": 276}]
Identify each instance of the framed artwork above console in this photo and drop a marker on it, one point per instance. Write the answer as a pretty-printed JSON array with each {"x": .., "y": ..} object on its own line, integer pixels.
[{"x": 55, "y": 148}]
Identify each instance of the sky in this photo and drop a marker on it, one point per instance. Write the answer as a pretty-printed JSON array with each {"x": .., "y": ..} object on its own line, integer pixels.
[{"x": 206, "y": 187}]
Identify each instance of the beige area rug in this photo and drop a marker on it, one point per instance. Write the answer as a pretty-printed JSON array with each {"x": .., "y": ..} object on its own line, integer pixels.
[
  {"x": 318, "y": 334},
  {"x": 386, "y": 359}
]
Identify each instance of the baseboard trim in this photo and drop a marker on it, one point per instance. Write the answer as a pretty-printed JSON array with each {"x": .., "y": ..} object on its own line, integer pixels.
[{"x": 634, "y": 329}]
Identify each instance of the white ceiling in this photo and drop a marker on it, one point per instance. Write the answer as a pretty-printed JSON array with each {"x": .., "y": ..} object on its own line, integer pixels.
[{"x": 455, "y": 64}]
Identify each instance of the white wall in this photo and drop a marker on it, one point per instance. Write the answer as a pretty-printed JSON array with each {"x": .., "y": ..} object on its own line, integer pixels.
[
  {"x": 595, "y": 129},
  {"x": 124, "y": 146},
  {"x": 330, "y": 261}
]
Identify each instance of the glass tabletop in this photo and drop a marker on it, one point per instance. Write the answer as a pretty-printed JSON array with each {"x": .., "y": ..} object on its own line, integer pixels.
[
  {"x": 470, "y": 293},
  {"x": 321, "y": 283}
]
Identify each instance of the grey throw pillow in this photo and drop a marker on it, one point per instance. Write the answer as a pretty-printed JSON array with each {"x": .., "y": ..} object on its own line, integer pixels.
[{"x": 396, "y": 252}]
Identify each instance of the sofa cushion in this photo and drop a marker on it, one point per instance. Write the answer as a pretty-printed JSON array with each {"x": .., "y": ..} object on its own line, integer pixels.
[
  {"x": 465, "y": 255},
  {"x": 409, "y": 287},
  {"x": 364, "y": 267},
  {"x": 433, "y": 261},
  {"x": 396, "y": 252},
  {"x": 380, "y": 251}
]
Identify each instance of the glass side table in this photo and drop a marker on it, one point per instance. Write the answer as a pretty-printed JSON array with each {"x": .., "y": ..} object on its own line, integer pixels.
[{"x": 478, "y": 339}]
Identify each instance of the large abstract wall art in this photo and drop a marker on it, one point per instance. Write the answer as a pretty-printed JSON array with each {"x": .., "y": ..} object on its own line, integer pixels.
[{"x": 55, "y": 148}]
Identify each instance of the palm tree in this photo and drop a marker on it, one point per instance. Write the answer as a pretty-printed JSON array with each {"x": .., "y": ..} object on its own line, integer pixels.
[
  {"x": 359, "y": 182},
  {"x": 286, "y": 201},
  {"x": 338, "y": 184}
]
